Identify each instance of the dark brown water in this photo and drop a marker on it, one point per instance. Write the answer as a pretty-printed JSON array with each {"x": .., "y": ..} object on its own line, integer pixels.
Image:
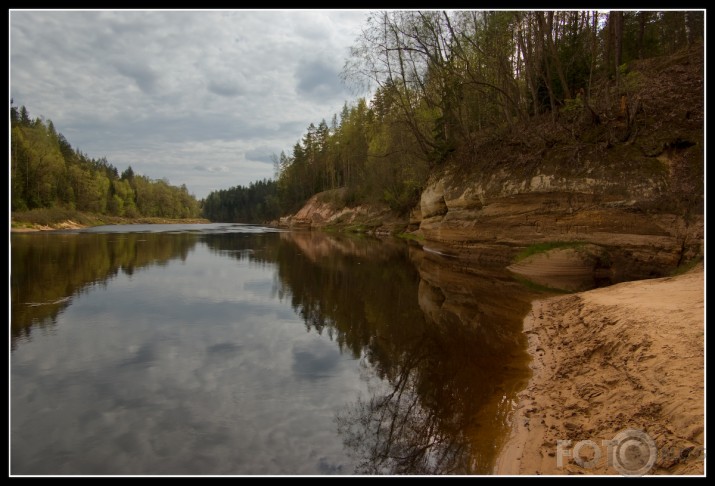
[{"x": 228, "y": 349}]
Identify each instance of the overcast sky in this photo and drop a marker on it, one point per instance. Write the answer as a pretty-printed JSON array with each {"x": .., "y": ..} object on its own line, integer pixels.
[{"x": 200, "y": 98}]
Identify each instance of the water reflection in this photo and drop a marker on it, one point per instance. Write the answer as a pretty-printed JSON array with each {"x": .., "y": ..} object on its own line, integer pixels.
[
  {"x": 47, "y": 270},
  {"x": 436, "y": 341},
  {"x": 444, "y": 343}
]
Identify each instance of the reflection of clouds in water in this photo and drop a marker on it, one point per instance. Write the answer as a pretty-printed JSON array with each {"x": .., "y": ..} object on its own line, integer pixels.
[
  {"x": 156, "y": 384},
  {"x": 261, "y": 288},
  {"x": 315, "y": 360},
  {"x": 223, "y": 349},
  {"x": 146, "y": 353}
]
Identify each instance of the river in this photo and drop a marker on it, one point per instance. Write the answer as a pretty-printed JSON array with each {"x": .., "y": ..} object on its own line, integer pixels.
[{"x": 222, "y": 349}]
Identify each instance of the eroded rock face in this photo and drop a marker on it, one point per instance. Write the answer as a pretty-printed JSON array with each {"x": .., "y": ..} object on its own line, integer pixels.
[
  {"x": 628, "y": 217},
  {"x": 432, "y": 203},
  {"x": 321, "y": 211},
  {"x": 318, "y": 213}
]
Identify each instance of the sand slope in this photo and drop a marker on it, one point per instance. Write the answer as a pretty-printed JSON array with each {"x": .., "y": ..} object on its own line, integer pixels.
[{"x": 629, "y": 356}]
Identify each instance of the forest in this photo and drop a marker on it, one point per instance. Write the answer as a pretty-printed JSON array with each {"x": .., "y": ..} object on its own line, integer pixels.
[
  {"x": 445, "y": 84},
  {"x": 47, "y": 172}
]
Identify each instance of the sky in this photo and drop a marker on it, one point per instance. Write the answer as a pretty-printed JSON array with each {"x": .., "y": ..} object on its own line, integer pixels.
[{"x": 202, "y": 98}]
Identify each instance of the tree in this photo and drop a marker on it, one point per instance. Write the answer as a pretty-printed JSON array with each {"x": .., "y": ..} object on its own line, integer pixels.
[
  {"x": 128, "y": 174},
  {"x": 46, "y": 171}
]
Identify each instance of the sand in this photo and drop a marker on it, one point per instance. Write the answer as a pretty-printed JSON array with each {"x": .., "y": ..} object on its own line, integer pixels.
[
  {"x": 69, "y": 224},
  {"x": 624, "y": 364}
]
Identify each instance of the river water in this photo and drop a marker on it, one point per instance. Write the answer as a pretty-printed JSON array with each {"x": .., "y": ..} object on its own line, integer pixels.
[{"x": 239, "y": 350}]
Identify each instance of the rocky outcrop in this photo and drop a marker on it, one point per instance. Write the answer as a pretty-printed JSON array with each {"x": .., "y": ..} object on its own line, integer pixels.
[
  {"x": 326, "y": 210},
  {"x": 634, "y": 219},
  {"x": 634, "y": 215}
]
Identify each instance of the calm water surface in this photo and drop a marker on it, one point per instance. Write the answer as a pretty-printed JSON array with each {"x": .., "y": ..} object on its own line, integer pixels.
[{"x": 231, "y": 349}]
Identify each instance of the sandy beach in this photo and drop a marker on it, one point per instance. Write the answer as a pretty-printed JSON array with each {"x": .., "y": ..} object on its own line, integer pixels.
[{"x": 618, "y": 382}]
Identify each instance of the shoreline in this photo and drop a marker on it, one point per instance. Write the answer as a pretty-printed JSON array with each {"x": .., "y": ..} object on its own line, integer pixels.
[
  {"x": 70, "y": 224},
  {"x": 606, "y": 361}
]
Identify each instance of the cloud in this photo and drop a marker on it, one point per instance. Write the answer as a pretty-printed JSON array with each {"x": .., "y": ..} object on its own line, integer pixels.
[
  {"x": 261, "y": 154},
  {"x": 224, "y": 88},
  {"x": 144, "y": 76},
  {"x": 147, "y": 87},
  {"x": 319, "y": 79},
  {"x": 220, "y": 168}
]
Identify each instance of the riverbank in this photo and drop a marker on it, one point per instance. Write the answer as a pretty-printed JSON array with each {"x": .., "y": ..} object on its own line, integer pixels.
[
  {"x": 629, "y": 356},
  {"x": 54, "y": 219}
]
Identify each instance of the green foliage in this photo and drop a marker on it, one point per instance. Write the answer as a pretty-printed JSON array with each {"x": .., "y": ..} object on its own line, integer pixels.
[
  {"x": 411, "y": 237},
  {"x": 257, "y": 203},
  {"x": 631, "y": 81},
  {"x": 369, "y": 154},
  {"x": 46, "y": 172},
  {"x": 572, "y": 107},
  {"x": 544, "y": 247},
  {"x": 687, "y": 266}
]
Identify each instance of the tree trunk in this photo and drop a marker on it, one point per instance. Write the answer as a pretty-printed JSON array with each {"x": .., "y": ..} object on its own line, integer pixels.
[
  {"x": 546, "y": 31},
  {"x": 688, "y": 30},
  {"x": 525, "y": 47},
  {"x": 608, "y": 35},
  {"x": 618, "y": 37},
  {"x": 546, "y": 76},
  {"x": 594, "y": 43},
  {"x": 642, "y": 20}
]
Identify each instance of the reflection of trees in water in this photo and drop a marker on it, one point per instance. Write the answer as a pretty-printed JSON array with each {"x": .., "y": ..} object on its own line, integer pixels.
[
  {"x": 253, "y": 247},
  {"x": 442, "y": 410},
  {"x": 393, "y": 432},
  {"x": 48, "y": 269},
  {"x": 444, "y": 344},
  {"x": 361, "y": 295}
]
